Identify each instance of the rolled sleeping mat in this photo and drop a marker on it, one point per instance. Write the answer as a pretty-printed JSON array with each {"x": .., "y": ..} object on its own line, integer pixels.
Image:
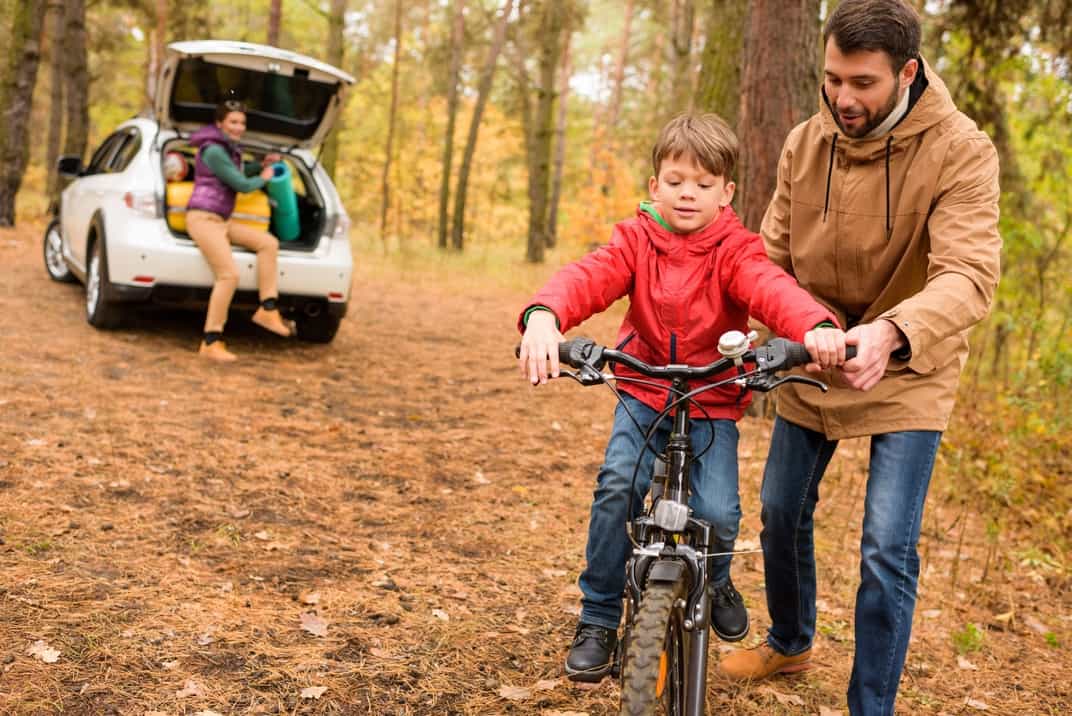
[{"x": 285, "y": 223}]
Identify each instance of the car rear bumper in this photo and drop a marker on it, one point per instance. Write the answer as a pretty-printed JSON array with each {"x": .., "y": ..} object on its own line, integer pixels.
[{"x": 159, "y": 265}]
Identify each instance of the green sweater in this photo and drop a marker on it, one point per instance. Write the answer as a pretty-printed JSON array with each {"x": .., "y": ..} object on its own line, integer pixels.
[{"x": 221, "y": 165}]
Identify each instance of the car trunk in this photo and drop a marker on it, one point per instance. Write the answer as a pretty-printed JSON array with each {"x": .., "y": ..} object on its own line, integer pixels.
[{"x": 255, "y": 208}]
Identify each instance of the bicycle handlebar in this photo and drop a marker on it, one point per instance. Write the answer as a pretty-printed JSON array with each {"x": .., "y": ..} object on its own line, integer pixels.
[{"x": 775, "y": 355}]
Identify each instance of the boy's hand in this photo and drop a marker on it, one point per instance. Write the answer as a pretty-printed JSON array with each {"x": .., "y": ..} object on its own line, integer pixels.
[
  {"x": 538, "y": 346},
  {"x": 826, "y": 346}
]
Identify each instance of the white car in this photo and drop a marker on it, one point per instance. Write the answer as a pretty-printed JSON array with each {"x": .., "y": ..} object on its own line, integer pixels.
[{"x": 120, "y": 224}]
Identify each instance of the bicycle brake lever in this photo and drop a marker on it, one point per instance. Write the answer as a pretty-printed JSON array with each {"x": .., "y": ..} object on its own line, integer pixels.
[
  {"x": 769, "y": 384},
  {"x": 587, "y": 375}
]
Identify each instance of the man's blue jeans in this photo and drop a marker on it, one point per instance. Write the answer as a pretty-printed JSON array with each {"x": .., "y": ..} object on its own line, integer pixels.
[
  {"x": 899, "y": 474},
  {"x": 713, "y": 498}
]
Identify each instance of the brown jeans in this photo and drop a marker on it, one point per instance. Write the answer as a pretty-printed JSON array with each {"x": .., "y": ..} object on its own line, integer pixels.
[{"x": 214, "y": 235}]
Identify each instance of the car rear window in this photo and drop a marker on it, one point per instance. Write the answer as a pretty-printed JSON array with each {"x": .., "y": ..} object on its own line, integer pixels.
[{"x": 276, "y": 104}]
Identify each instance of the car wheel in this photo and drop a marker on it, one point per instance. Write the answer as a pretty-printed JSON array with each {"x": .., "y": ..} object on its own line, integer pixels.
[
  {"x": 53, "y": 251},
  {"x": 100, "y": 312},
  {"x": 320, "y": 328}
]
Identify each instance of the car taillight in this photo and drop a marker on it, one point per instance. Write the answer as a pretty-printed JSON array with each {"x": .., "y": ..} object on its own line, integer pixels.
[
  {"x": 340, "y": 228},
  {"x": 142, "y": 202}
]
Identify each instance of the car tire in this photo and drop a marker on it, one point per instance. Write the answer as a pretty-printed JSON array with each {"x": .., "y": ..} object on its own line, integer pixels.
[
  {"x": 100, "y": 312},
  {"x": 52, "y": 245},
  {"x": 320, "y": 328}
]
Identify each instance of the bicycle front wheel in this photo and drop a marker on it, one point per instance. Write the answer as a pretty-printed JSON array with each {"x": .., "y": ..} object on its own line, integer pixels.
[{"x": 653, "y": 681}]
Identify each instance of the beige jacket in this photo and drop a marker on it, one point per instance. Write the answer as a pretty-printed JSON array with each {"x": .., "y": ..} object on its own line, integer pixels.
[{"x": 903, "y": 227}]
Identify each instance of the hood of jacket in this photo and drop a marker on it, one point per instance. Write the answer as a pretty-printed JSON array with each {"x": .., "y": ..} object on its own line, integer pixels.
[{"x": 211, "y": 134}]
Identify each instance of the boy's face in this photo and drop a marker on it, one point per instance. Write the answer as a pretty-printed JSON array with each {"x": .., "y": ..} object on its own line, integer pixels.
[{"x": 687, "y": 196}]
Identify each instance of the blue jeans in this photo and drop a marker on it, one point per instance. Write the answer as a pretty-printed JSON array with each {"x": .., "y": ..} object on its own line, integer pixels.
[
  {"x": 898, "y": 477},
  {"x": 713, "y": 498}
]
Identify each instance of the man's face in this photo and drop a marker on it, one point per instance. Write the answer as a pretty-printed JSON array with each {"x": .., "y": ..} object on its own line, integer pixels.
[
  {"x": 862, "y": 87},
  {"x": 687, "y": 196}
]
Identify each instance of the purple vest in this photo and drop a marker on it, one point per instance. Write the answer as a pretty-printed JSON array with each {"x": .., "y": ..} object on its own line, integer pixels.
[{"x": 210, "y": 193}]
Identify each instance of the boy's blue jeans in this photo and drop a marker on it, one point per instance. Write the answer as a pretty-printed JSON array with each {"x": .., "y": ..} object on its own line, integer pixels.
[
  {"x": 713, "y": 498},
  {"x": 899, "y": 474}
]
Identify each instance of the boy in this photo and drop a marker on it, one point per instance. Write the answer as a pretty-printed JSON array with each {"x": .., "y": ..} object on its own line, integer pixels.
[{"x": 692, "y": 272}]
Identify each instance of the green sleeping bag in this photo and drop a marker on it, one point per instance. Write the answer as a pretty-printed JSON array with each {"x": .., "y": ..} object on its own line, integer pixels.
[{"x": 285, "y": 223}]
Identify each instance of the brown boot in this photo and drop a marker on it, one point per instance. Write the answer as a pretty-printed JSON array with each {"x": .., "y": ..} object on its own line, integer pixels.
[
  {"x": 272, "y": 321},
  {"x": 762, "y": 661},
  {"x": 217, "y": 351}
]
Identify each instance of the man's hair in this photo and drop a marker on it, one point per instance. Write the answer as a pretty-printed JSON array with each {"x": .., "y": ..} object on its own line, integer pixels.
[
  {"x": 891, "y": 26},
  {"x": 704, "y": 137},
  {"x": 227, "y": 106}
]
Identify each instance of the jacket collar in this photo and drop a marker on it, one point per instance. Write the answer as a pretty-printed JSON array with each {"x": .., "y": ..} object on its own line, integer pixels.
[{"x": 697, "y": 242}]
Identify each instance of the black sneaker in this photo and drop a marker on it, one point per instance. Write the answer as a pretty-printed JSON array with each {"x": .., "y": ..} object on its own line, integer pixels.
[
  {"x": 591, "y": 656},
  {"x": 729, "y": 618}
]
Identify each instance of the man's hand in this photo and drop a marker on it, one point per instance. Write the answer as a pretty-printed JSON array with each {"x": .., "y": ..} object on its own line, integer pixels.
[
  {"x": 538, "y": 346},
  {"x": 826, "y": 346},
  {"x": 272, "y": 158},
  {"x": 874, "y": 343}
]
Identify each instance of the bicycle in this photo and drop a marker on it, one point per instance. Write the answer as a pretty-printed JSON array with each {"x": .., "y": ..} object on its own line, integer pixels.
[{"x": 662, "y": 659}]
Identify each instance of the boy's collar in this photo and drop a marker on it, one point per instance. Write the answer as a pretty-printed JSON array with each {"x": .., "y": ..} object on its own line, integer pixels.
[{"x": 648, "y": 207}]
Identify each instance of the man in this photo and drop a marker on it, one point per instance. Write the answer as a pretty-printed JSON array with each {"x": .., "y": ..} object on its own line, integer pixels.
[{"x": 886, "y": 211}]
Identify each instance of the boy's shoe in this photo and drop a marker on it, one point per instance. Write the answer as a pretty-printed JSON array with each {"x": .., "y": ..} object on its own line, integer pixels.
[
  {"x": 216, "y": 351},
  {"x": 591, "y": 656},
  {"x": 729, "y": 618},
  {"x": 272, "y": 321},
  {"x": 762, "y": 661}
]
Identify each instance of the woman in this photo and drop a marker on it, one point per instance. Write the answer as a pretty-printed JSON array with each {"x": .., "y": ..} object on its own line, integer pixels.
[{"x": 219, "y": 175}]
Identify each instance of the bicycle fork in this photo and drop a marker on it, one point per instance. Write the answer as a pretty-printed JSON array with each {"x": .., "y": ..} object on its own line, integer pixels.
[{"x": 671, "y": 562}]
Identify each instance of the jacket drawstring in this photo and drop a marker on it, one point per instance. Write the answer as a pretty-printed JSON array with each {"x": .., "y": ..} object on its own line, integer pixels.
[
  {"x": 889, "y": 143},
  {"x": 829, "y": 173}
]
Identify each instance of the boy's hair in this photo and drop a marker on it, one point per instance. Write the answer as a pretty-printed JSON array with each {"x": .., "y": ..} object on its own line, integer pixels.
[
  {"x": 891, "y": 26},
  {"x": 704, "y": 137}
]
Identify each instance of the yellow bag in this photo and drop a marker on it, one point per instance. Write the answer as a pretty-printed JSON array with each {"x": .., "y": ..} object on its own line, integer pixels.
[{"x": 251, "y": 208}]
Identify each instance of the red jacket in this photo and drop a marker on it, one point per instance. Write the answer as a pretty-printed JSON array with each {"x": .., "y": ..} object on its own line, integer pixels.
[{"x": 685, "y": 291}]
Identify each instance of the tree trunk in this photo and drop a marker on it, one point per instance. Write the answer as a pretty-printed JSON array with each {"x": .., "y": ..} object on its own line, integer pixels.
[
  {"x": 391, "y": 120},
  {"x": 76, "y": 88},
  {"x": 683, "y": 23},
  {"x": 543, "y": 130},
  {"x": 483, "y": 90},
  {"x": 16, "y": 99},
  {"x": 778, "y": 86},
  {"x": 719, "y": 84},
  {"x": 157, "y": 44},
  {"x": 457, "y": 36},
  {"x": 335, "y": 56},
  {"x": 560, "y": 143},
  {"x": 275, "y": 19},
  {"x": 55, "y": 103},
  {"x": 619, "y": 70}
]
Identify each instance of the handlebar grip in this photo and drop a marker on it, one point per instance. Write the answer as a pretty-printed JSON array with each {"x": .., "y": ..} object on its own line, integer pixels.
[
  {"x": 797, "y": 354},
  {"x": 573, "y": 352}
]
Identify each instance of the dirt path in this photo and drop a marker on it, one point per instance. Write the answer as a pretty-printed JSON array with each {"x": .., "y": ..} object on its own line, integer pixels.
[{"x": 166, "y": 524}]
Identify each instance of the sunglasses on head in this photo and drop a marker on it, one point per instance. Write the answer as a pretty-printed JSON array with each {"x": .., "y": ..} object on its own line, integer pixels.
[{"x": 233, "y": 105}]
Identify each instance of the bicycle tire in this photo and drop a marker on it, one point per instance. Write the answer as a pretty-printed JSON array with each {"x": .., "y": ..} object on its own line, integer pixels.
[{"x": 654, "y": 666}]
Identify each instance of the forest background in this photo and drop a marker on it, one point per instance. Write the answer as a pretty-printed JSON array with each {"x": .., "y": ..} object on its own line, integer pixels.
[{"x": 550, "y": 107}]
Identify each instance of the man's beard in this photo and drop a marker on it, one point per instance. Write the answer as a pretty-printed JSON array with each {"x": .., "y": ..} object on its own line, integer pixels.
[{"x": 875, "y": 120}]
